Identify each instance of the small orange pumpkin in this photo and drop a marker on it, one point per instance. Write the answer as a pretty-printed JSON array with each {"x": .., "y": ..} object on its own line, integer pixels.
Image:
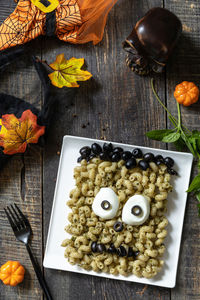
[
  {"x": 12, "y": 273},
  {"x": 186, "y": 93}
]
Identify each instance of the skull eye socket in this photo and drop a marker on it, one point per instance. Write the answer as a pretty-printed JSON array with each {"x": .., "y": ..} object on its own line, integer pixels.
[
  {"x": 105, "y": 204},
  {"x": 136, "y": 210}
]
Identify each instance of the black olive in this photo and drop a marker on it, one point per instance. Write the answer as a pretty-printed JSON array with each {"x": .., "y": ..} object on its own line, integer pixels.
[
  {"x": 143, "y": 165},
  {"x": 172, "y": 171},
  {"x": 105, "y": 204},
  {"x": 115, "y": 157},
  {"x": 85, "y": 151},
  {"x": 121, "y": 251},
  {"x": 148, "y": 157},
  {"x": 101, "y": 248},
  {"x": 94, "y": 247},
  {"x": 79, "y": 159},
  {"x": 137, "y": 153},
  {"x": 107, "y": 147},
  {"x": 136, "y": 253},
  {"x": 159, "y": 158},
  {"x": 130, "y": 252},
  {"x": 112, "y": 249},
  {"x": 103, "y": 156},
  {"x": 118, "y": 149},
  {"x": 118, "y": 226},
  {"x": 131, "y": 163},
  {"x": 96, "y": 148},
  {"x": 169, "y": 162},
  {"x": 159, "y": 162},
  {"x": 136, "y": 210},
  {"x": 126, "y": 155},
  {"x": 92, "y": 155}
]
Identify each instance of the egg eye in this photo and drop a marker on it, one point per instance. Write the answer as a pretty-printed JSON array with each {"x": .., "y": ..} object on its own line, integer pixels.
[
  {"x": 105, "y": 204},
  {"x": 136, "y": 210}
]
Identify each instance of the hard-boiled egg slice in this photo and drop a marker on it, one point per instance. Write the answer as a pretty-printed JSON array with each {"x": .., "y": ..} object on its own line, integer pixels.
[
  {"x": 136, "y": 210},
  {"x": 106, "y": 204}
]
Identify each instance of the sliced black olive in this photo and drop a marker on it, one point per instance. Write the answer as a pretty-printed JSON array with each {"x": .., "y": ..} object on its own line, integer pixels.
[
  {"x": 130, "y": 252},
  {"x": 105, "y": 204},
  {"x": 94, "y": 247},
  {"x": 79, "y": 159},
  {"x": 91, "y": 156},
  {"x": 126, "y": 155},
  {"x": 137, "y": 153},
  {"x": 143, "y": 165},
  {"x": 96, "y": 148},
  {"x": 121, "y": 251},
  {"x": 172, "y": 171},
  {"x": 115, "y": 157},
  {"x": 118, "y": 226},
  {"x": 131, "y": 163},
  {"x": 101, "y": 248},
  {"x": 148, "y": 157},
  {"x": 112, "y": 249},
  {"x": 169, "y": 162},
  {"x": 118, "y": 149},
  {"x": 136, "y": 210},
  {"x": 85, "y": 151},
  {"x": 103, "y": 156},
  {"x": 107, "y": 147}
]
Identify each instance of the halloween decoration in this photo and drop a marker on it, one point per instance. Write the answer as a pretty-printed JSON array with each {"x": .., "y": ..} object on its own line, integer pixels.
[
  {"x": 152, "y": 40},
  {"x": 12, "y": 273},
  {"x": 73, "y": 21},
  {"x": 117, "y": 220},
  {"x": 186, "y": 93},
  {"x": 16, "y": 114},
  {"x": 68, "y": 72}
]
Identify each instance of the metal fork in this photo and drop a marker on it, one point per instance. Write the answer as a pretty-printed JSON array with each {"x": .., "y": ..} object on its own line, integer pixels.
[{"x": 22, "y": 230}]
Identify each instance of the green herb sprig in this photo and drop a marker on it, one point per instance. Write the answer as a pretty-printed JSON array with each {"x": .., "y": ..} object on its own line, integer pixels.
[{"x": 180, "y": 136}]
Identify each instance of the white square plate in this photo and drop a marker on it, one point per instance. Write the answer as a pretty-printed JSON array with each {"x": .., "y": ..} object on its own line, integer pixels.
[{"x": 54, "y": 254}]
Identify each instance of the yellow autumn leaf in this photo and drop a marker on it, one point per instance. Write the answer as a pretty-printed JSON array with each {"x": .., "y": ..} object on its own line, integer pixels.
[{"x": 68, "y": 72}]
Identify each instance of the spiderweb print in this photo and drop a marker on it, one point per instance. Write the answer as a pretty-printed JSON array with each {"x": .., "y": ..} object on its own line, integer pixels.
[
  {"x": 27, "y": 22},
  {"x": 68, "y": 20},
  {"x": 24, "y": 24}
]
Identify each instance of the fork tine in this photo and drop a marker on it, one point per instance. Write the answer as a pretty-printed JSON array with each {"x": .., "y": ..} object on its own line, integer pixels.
[
  {"x": 22, "y": 215},
  {"x": 15, "y": 221},
  {"x": 19, "y": 220},
  {"x": 12, "y": 224}
]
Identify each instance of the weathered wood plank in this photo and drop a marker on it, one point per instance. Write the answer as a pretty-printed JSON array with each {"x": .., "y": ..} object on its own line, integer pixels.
[
  {"x": 21, "y": 180},
  {"x": 185, "y": 65},
  {"x": 116, "y": 105}
]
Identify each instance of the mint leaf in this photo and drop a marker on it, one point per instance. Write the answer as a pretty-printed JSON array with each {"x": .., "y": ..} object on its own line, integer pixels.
[
  {"x": 158, "y": 135},
  {"x": 179, "y": 144},
  {"x": 195, "y": 184},
  {"x": 171, "y": 138}
]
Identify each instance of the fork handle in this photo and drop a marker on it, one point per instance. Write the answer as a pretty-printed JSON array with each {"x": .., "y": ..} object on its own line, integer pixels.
[{"x": 39, "y": 274}]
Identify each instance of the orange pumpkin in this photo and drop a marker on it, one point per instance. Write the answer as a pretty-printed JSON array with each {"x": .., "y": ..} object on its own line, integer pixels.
[
  {"x": 186, "y": 93},
  {"x": 12, "y": 273}
]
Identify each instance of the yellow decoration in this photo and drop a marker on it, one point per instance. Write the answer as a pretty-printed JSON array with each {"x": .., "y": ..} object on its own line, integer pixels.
[{"x": 46, "y": 6}]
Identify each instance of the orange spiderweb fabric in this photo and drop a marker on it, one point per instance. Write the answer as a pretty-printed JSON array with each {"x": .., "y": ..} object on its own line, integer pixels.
[{"x": 77, "y": 21}]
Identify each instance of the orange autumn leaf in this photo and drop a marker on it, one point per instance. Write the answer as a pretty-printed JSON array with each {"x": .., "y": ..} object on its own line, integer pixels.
[
  {"x": 16, "y": 133},
  {"x": 68, "y": 72}
]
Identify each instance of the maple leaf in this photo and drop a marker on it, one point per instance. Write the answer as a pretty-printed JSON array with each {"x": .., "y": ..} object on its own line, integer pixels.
[
  {"x": 16, "y": 133},
  {"x": 68, "y": 72}
]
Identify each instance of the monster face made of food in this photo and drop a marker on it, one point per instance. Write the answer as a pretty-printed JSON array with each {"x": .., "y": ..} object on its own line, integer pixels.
[{"x": 117, "y": 221}]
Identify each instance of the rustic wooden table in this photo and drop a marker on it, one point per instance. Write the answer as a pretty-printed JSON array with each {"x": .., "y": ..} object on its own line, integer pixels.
[{"x": 115, "y": 105}]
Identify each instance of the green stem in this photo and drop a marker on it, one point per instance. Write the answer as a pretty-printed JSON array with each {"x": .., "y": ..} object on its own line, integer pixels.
[{"x": 179, "y": 115}]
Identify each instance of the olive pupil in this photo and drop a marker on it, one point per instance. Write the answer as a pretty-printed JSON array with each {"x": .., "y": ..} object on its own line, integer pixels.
[
  {"x": 136, "y": 210},
  {"x": 105, "y": 205}
]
